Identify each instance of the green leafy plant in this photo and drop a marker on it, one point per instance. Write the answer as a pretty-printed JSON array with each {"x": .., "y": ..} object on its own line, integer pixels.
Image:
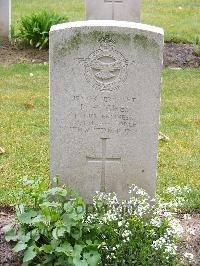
[
  {"x": 53, "y": 227},
  {"x": 196, "y": 45},
  {"x": 35, "y": 29},
  {"x": 51, "y": 231}
]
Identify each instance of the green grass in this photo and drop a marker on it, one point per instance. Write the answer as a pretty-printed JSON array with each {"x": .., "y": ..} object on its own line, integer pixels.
[
  {"x": 74, "y": 9},
  {"x": 180, "y": 120},
  {"x": 192, "y": 204},
  {"x": 24, "y": 131},
  {"x": 179, "y": 18},
  {"x": 179, "y": 157}
]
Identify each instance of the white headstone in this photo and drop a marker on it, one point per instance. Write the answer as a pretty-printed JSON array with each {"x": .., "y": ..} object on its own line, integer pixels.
[
  {"x": 5, "y": 18},
  {"x": 104, "y": 105},
  {"x": 123, "y": 10}
]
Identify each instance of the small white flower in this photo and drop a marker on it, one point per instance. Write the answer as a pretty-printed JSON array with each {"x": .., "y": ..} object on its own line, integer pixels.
[
  {"x": 126, "y": 233},
  {"x": 141, "y": 192},
  {"x": 187, "y": 217},
  {"x": 176, "y": 227},
  {"x": 120, "y": 223},
  {"x": 127, "y": 225},
  {"x": 189, "y": 256},
  {"x": 169, "y": 232},
  {"x": 187, "y": 189},
  {"x": 173, "y": 190},
  {"x": 156, "y": 221},
  {"x": 167, "y": 214},
  {"x": 162, "y": 240},
  {"x": 31, "y": 75},
  {"x": 170, "y": 249},
  {"x": 191, "y": 231}
]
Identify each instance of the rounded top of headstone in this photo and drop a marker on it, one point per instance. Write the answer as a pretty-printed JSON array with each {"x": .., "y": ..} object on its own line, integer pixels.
[{"x": 107, "y": 23}]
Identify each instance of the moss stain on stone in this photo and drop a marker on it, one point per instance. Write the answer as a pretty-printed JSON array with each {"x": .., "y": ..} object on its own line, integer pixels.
[
  {"x": 67, "y": 46},
  {"x": 72, "y": 44},
  {"x": 144, "y": 42}
]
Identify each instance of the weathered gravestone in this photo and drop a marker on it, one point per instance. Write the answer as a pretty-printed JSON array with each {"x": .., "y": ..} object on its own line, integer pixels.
[
  {"x": 5, "y": 18},
  {"x": 128, "y": 10},
  {"x": 104, "y": 105}
]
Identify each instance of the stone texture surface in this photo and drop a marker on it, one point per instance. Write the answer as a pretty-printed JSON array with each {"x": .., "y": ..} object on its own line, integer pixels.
[
  {"x": 5, "y": 18},
  {"x": 128, "y": 10},
  {"x": 104, "y": 105}
]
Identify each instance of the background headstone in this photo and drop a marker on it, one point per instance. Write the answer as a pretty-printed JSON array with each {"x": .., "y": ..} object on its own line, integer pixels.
[
  {"x": 104, "y": 105},
  {"x": 5, "y": 18},
  {"x": 127, "y": 10}
]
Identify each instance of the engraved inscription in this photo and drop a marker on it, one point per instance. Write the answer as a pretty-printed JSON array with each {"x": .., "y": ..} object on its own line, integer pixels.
[
  {"x": 103, "y": 159},
  {"x": 106, "y": 68},
  {"x": 103, "y": 114},
  {"x": 113, "y": 2}
]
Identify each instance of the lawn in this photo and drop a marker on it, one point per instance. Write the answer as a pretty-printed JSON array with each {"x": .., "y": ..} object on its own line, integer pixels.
[
  {"x": 180, "y": 18},
  {"x": 23, "y": 130},
  {"x": 24, "y": 127}
]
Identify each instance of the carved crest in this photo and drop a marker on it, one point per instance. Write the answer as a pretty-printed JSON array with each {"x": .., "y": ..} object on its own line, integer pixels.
[{"x": 106, "y": 68}]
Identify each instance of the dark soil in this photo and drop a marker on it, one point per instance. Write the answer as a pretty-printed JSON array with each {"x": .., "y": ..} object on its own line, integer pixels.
[
  {"x": 180, "y": 55},
  {"x": 175, "y": 55},
  {"x": 7, "y": 258},
  {"x": 191, "y": 243},
  {"x": 20, "y": 54}
]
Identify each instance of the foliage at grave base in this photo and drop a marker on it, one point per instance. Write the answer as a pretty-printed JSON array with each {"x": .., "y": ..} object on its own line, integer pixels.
[
  {"x": 190, "y": 198},
  {"x": 35, "y": 29},
  {"x": 197, "y": 45},
  {"x": 58, "y": 229}
]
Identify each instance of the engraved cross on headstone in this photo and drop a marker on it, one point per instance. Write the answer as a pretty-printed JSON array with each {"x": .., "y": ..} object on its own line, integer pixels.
[
  {"x": 113, "y": 5},
  {"x": 103, "y": 159}
]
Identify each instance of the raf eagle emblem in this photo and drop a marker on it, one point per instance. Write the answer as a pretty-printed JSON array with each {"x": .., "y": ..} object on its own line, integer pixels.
[{"x": 105, "y": 68}]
